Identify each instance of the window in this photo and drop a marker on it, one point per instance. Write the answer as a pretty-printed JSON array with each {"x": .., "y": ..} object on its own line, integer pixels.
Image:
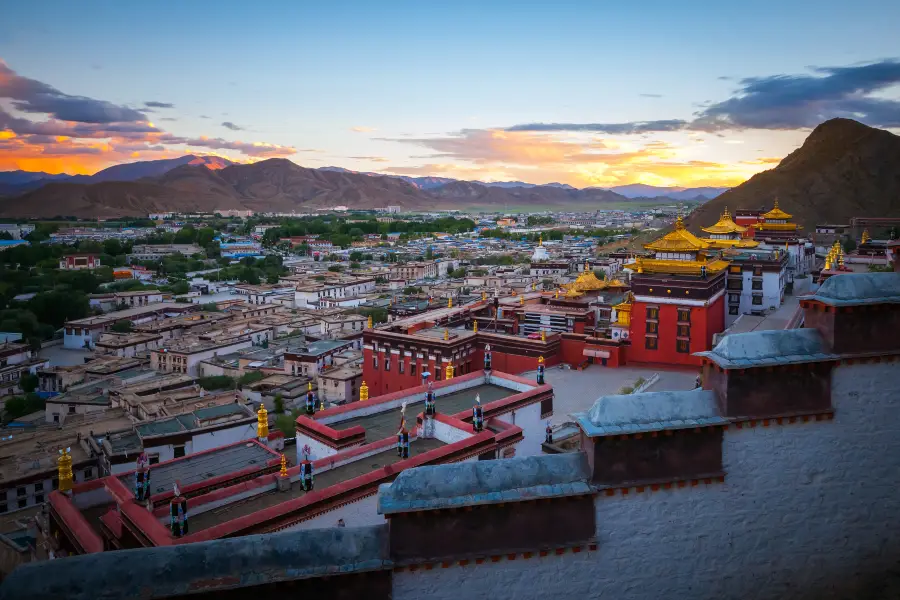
[
  {"x": 735, "y": 284},
  {"x": 757, "y": 300},
  {"x": 55, "y": 483},
  {"x": 650, "y": 343},
  {"x": 652, "y": 327},
  {"x": 3, "y": 507},
  {"x": 652, "y": 312},
  {"x": 412, "y": 369},
  {"x": 757, "y": 284},
  {"x": 178, "y": 451},
  {"x": 400, "y": 365},
  {"x": 684, "y": 315},
  {"x": 20, "y": 492},
  {"x": 387, "y": 363},
  {"x": 23, "y": 502},
  {"x": 154, "y": 459},
  {"x": 757, "y": 271},
  {"x": 683, "y": 346},
  {"x": 375, "y": 361},
  {"x": 732, "y": 310},
  {"x": 684, "y": 331},
  {"x": 735, "y": 269},
  {"x": 71, "y": 409},
  {"x": 734, "y": 298},
  {"x": 39, "y": 486},
  {"x": 39, "y": 498},
  {"x": 56, "y": 417},
  {"x": 437, "y": 372}
]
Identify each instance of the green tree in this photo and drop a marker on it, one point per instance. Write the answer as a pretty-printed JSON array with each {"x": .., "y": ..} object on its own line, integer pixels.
[
  {"x": 205, "y": 236},
  {"x": 179, "y": 287},
  {"x": 57, "y": 307},
  {"x": 217, "y": 382},
  {"x": 210, "y": 307},
  {"x": 123, "y": 327},
  {"x": 19, "y": 406},
  {"x": 356, "y": 256},
  {"x": 429, "y": 253},
  {"x": 28, "y": 382},
  {"x": 279, "y": 403}
]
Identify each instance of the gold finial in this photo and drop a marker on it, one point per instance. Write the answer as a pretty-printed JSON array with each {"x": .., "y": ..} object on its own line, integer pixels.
[
  {"x": 369, "y": 323},
  {"x": 865, "y": 236},
  {"x": 726, "y": 214},
  {"x": 262, "y": 423},
  {"x": 448, "y": 372},
  {"x": 640, "y": 263},
  {"x": 283, "y": 472},
  {"x": 446, "y": 334},
  {"x": 475, "y": 326},
  {"x": 679, "y": 223},
  {"x": 309, "y": 386},
  {"x": 533, "y": 286},
  {"x": 543, "y": 338},
  {"x": 776, "y": 203},
  {"x": 841, "y": 258},
  {"x": 449, "y": 302},
  {"x": 66, "y": 478},
  {"x": 540, "y": 239},
  {"x": 557, "y": 294},
  {"x": 828, "y": 262},
  {"x": 363, "y": 392},
  {"x": 587, "y": 266},
  {"x": 521, "y": 300},
  {"x": 483, "y": 296},
  {"x": 540, "y": 360}
]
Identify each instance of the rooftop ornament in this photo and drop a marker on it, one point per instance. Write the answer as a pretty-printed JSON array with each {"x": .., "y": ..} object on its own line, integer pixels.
[
  {"x": 363, "y": 392},
  {"x": 65, "y": 471},
  {"x": 403, "y": 434},
  {"x": 262, "y": 424},
  {"x": 477, "y": 415}
]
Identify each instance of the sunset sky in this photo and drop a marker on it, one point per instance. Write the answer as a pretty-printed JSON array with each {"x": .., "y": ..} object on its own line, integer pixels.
[{"x": 585, "y": 93}]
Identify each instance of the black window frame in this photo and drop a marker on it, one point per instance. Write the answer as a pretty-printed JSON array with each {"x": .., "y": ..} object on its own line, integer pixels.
[
  {"x": 651, "y": 343},
  {"x": 681, "y": 312},
  {"x": 686, "y": 344},
  {"x": 756, "y": 285},
  {"x": 733, "y": 310}
]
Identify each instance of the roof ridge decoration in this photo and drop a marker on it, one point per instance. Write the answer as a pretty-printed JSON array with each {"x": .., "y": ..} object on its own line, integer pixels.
[
  {"x": 678, "y": 240},
  {"x": 725, "y": 224}
]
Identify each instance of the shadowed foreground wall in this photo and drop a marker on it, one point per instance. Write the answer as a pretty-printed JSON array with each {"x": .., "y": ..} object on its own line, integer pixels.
[{"x": 807, "y": 510}]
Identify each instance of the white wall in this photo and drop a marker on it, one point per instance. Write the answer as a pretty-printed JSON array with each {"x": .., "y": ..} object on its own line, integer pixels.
[
  {"x": 223, "y": 437},
  {"x": 804, "y": 508},
  {"x": 356, "y": 514},
  {"x": 317, "y": 449},
  {"x": 533, "y": 429}
]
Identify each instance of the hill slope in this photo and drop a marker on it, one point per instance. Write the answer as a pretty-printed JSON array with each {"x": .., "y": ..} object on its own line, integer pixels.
[{"x": 844, "y": 169}]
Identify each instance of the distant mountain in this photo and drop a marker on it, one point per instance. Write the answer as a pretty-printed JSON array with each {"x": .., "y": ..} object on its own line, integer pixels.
[
  {"x": 640, "y": 190},
  {"x": 428, "y": 183},
  {"x": 22, "y": 177},
  {"x": 844, "y": 169}
]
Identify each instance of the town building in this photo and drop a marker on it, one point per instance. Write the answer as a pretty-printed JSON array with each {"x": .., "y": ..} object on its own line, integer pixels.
[
  {"x": 17, "y": 360},
  {"x": 308, "y": 360},
  {"x": 122, "y": 300},
  {"x": 756, "y": 282},
  {"x": 414, "y": 271},
  {"x": 340, "y": 384},
  {"x": 84, "y": 333},
  {"x": 77, "y": 262},
  {"x": 156, "y": 252},
  {"x": 185, "y": 354}
]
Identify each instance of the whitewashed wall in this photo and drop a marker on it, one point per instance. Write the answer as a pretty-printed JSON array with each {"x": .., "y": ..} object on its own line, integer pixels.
[
  {"x": 533, "y": 429},
  {"x": 807, "y": 510}
]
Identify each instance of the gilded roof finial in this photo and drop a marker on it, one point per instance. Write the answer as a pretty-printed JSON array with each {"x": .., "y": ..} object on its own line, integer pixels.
[{"x": 679, "y": 223}]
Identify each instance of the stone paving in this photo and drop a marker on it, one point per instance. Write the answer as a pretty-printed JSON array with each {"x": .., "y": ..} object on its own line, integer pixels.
[{"x": 576, "y": 391}]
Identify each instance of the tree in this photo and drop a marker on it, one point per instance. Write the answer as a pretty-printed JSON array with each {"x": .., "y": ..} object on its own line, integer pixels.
[
  {"x": 336, "y": 268},
  {"x": 379, "y": 315},
  {"x": 356, "y": 256},
  {"x": 217, "y": 382},
  {"x": 123, "y": 327},
  {"x": 28, "y": 382},
  {"x": 210, "y": 307},
  {"x": 279, "y": 403},
  {"x": 457, "y": 273},
  {"x": 849, "y": 245},
  {"x": 57, "y": 307},
  {"x": 19, "y": 406},
  {"x": 205, "y": 236},
  {"x": 179, "y": 287},
  {"x": 429, "y": 253},
  {"x": 5, "y": 235}
]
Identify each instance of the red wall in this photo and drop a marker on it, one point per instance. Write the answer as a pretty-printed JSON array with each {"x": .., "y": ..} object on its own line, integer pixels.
[
  {"x": 387, "y": 382},
  {"x": 705, "y": 322}
]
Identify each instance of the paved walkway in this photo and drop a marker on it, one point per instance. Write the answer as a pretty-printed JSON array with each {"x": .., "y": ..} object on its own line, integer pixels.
[
  {"x": 576, "y": 391},
  {"x": 64, "y": 357}
]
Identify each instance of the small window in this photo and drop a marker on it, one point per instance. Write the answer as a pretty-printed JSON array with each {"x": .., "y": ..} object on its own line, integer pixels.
[
  {"x": 71, "y": 409},
  {"x": 650, "y": 343},
  {"x": 387, "y": 363},
  {"x": 154, "y": 459},
  {"x": 652, "y": 327},
  {"x": 56, "y": 417},
  {"x": 652, "y": 312},
  {"x": 412, "y": 369},
  {"x": 683, "y": 346},
  {"x": 375, "y": 361},
  {"x": 734, "y": 298},
  {"x": 757, "y": 285},
  {"x": 757, "y": 271},
  {"x": 735, "y": 269},
  {"x": 684, "y": 315},
  {"x": 20, "y": 492},
  {"x": 3, "y": 507},
  {"x": 735, "y": 284},
  {"x": 39, "y": 486},
  {"x": 178, "y": 451},
  {"x": 684, "y": 331},
  {"x": 38, "y": 498},
  {"x": 55, "y": 483},
  {"x": 732, "y": 310},
  {"x": 757, "y": 300},
  {"x": 400, "y": 365},
  {"x": 23, "y": 502}
]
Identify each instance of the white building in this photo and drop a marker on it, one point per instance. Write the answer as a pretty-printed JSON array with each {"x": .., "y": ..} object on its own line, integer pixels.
[{"x": 756, "y": 282}]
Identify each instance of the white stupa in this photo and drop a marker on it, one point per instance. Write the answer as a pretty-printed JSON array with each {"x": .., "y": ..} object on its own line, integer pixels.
[{"x": 540, "y": 253}]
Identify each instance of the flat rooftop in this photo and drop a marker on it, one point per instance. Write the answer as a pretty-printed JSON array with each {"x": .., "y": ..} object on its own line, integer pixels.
[
  {"x": 196, "y": 468},
  {"x": 386, "y": 423},
  {"x": 204, "y": 520}
]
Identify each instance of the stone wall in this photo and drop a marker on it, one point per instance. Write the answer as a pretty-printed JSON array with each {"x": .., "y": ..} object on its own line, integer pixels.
[{"x": 807, "y": 510}]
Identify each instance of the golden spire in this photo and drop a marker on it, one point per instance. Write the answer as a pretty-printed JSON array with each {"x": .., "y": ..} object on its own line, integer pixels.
[
  {"x": 448, "y": 372},
  {"x": 450, "y": 302},
  {"x": 369, "y": 323},
  {"x": 540, "y": 360},
  {"x": 475, "y": 326},
  {"x": 540, "y": 239},
  {"x": 557, "y": 294},
  {"x": 587, "y": 266},
  {"x": 775, "y": 206},
  {"x": 533, "y": 286},
  {"x": 363, "y": 392},
  {"x": 283, "y": 472},
  {"x": 543, "y": 339},
  {"x": 262, "y": 423},
  {"x": 483, "y": 296},
  {"x": 521, "y": 300},
  {"x": 446, "y": 334},
  {"x": 65, "y": 471},
  {"x": 841, "y": 258},
  {"x": 640, "y": 264},
  {"x": 865, "y": 236},
  {"x": 309, "y": 386}
]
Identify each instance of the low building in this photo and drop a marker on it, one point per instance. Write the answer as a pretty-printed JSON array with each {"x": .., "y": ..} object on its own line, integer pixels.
[
  {"x": 309, "y": 360},
  {"x": 123, "y": 300},
  {"x": 83, "y": 333},
  {"x": 126, "y": 345},
  {"x": 339, "y": 385},
  {"x": 186, "y": 354},
  {"x": 76, "y": 262},
  {"x": 17, "y": 360},
  {"x": 756, "y": 281},
  {"x": 155, "y": 252},
  {"x": 414, "y": 271}
]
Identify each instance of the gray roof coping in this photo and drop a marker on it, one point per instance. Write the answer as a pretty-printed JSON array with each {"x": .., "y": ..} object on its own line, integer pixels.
[
  {"x": 650, "y": 411},
  {"x": 770, "y": 348},
  {"x": 175, "y": 570},
  {"x": 485, "y": 482},
  {"x": 852, "y": 289}
]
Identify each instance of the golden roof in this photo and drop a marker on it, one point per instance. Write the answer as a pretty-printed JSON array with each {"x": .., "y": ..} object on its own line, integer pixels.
[
  {"x": 720, "y": 244},
  {"x": 573, "y": 293},
  {"x": 678, "y": 240},
  {"x": 776, "y": 213},
  {"x": 725, "y": 225},
  {"x": 775, "y": 226},
  {"x": 586, "y": 282},
  {"x": 677, "y": 267}
]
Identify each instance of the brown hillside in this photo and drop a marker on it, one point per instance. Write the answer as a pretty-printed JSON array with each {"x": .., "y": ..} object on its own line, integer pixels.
[{"x": 844, "y": 169}]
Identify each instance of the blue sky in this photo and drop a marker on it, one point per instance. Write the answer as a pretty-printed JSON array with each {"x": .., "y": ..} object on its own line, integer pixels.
[{"x": 433, "y": 87}]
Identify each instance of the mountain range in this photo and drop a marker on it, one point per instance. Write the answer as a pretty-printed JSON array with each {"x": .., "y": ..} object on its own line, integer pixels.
[{"x": 844, "y": 169}]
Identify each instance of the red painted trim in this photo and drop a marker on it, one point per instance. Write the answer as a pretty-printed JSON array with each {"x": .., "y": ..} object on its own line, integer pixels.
[
  {"x": 87, "y": 486},
  {"x": 70, "y": 517},
  {"x": 327, "y": 435}
]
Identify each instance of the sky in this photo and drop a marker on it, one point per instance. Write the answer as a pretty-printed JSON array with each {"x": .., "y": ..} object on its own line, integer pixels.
[{"x": 588, "y": 93}]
